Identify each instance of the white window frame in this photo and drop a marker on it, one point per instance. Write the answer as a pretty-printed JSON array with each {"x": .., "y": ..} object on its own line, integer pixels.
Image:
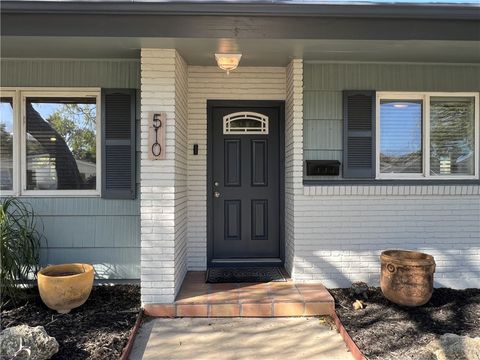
[
  {"x": 16, "y": 141},
  {"x": 425, "y": 97},
  {"x": 20, "y": 122}
]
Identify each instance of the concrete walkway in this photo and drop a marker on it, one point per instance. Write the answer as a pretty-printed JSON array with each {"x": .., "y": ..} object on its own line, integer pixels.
[{"x": 239, "y": 339}]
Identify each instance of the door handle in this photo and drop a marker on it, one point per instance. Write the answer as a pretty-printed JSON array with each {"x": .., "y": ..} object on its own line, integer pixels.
[{"x": 216, "y": 194}]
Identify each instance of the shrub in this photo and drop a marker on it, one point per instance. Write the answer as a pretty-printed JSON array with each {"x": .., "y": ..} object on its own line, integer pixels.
[{"x": 19, "y": 248}]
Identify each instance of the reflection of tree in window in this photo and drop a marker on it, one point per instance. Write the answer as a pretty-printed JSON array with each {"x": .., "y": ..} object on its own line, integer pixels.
[
  {"x": 61, "y": 143},
  {"x": 6, "y": 143}
]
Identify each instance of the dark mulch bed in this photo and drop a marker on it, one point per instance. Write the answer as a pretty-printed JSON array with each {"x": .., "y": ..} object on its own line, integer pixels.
[
  {"x": 99, "y": 329},
  {"x": 385, "y": 331}
]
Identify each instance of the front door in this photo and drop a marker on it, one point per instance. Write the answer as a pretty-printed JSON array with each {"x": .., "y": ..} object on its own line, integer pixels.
[{"x": 245, "y": 179}]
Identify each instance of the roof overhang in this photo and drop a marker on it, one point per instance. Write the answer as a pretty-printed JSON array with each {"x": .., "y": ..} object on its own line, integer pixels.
[
  {"x": 266, "y": 33},
  {"x": 276, "y": 20},
  {"x": 251, "y": 8}
]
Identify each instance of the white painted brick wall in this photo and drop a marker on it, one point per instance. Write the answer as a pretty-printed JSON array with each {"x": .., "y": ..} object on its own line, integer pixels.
[
  {"x": 210, "y": 83},
  {"x": 163, "y": 182},
  {"x": 339, "y": 238},
  {"x": 181, "y": 149},
  {"x": 293, "y": 155}
]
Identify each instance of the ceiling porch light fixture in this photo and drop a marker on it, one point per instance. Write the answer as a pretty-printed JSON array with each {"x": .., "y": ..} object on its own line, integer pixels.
[{"x": 228, "y": 62}]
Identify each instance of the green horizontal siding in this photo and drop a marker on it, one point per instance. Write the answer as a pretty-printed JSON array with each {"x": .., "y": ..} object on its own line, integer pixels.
[
  {"x": 391, "y": 77},
  {"x": 109, "y": 263},
  {"x": 91, "y": 231},
  {"x": 105, "y": 233},
  {"x": 109, "y": 73},
  {"x": 324, "y": 83},
  {"x": 87, "y": 206}
]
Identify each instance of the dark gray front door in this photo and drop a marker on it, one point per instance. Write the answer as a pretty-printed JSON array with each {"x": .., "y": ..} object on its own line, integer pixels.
[{"x": 245, "y": 182}]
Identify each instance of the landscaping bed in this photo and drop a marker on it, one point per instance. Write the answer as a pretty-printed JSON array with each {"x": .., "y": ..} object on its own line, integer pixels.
[
  {"x": 99, "y": 329},
  {"x": 383, "y": 330}
]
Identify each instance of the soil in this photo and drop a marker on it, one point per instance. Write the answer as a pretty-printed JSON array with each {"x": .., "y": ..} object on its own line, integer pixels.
[
  {"x": 99, "y": 329},
  {"x": 383, "y": 330}
]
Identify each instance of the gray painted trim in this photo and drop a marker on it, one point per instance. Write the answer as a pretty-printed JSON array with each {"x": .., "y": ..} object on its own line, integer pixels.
[
  {"x": 248, "y": 8},
  {"x": 280, "y": 104},
  {"x": 242, "y": 27},
  {"x": 389, "y": 182}
]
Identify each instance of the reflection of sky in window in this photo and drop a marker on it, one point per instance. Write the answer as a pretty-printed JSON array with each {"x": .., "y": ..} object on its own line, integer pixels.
[
  {"x": 6, "y": 116},
  {"x": 400, "y": 127},
  {"x": 48, "y": 109},
  {"x": 45, "y": 110}
]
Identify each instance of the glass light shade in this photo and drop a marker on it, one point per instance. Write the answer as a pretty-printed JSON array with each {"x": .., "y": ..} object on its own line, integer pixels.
[{"x": 228, "y": 62}]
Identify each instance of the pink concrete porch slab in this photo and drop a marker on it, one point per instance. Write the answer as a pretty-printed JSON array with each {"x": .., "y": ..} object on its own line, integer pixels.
[{"x": 273, "y": 299}]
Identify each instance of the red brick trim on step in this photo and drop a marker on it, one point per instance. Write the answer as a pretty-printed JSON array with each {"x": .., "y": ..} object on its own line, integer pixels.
[
  {"x": 351, "y": 345},
  {"x": 131, "y": 339}
]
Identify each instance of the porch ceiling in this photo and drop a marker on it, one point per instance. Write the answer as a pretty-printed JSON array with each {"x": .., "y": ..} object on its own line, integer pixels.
[{"x": 256, "y": 52}]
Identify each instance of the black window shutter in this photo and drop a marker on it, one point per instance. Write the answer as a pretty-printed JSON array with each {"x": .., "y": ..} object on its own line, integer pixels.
[
  {"x": 118, "y": 143},
  {"x": 359, "y": 134}
]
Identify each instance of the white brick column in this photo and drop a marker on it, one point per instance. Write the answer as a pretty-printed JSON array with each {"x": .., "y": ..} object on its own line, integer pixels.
[
  {"x": 293, "y": 155},
  {"x": 163, "y": 182}
]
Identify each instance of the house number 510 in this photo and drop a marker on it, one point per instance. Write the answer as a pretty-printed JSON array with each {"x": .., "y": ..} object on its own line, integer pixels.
[{"x": 156, "y": 135}]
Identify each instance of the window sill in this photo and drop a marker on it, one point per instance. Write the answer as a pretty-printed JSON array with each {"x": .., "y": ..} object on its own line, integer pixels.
[
  {"x": 383, "y": 182},
  {"x": 53, "y": 194},
  {"x": 387, "y": 188}
]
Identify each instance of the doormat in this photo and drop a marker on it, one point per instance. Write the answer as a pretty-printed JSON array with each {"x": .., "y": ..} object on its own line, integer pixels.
[{"x": 244, "y": 275}]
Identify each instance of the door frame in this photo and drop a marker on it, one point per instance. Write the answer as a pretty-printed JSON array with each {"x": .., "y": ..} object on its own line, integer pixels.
[{"x": 277, "y": 104}]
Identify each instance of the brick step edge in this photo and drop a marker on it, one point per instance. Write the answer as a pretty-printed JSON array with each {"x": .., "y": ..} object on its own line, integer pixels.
[
  {"x": 351, "y": 345},
  {"x": 204, "y": 310},
  {"x": 131, "y": 339}
]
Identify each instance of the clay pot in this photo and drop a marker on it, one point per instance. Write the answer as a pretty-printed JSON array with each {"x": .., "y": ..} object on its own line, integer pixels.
[
  {"x": 407, "y": 277},
  {"x": 65, "y": 287}
]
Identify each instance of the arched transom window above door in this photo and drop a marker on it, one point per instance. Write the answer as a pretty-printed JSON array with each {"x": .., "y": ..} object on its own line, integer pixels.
[{"x": 245, "y": 122}]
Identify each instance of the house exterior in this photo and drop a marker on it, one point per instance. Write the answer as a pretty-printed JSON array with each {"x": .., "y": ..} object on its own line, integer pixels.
[{"x": 346, "y": 129}]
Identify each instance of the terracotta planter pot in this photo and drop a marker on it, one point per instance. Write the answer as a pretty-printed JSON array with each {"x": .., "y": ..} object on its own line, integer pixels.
[
  {"x": 407, "y": 277},
  {"x": 65, "y": 287}
]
